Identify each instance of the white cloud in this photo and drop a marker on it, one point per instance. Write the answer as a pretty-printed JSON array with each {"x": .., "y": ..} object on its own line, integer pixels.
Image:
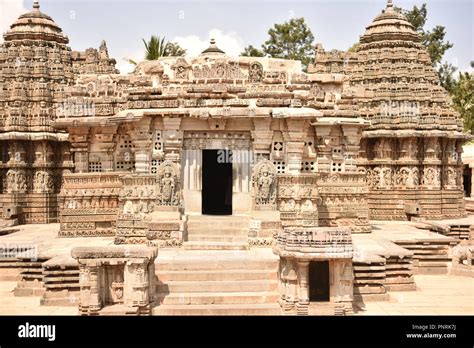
[
  {"x": 230, "y": 42},
  {"x": 124, "y": 66},
  {"x": 10, "y": 10}
]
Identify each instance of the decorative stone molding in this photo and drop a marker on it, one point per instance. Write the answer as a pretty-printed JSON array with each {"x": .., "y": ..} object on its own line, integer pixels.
[
  {"x": 116, "y": 276},
  {"x": 264, "y": 183},
  {"x": 297, "y": 247}
]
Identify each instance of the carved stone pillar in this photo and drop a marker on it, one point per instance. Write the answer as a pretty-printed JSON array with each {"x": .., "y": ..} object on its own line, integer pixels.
[
  {"x": 295, "y": 146},
  {"x": 262, "y": 137},
  {"x": 352, "y": 137},
  {"x": 303, "y": 293},
  {"x": 95, "y": 300},
  {"x": 104, "y": 140},
  {"x": 143, "y": 149},
  {"x": 172, "y": 139},
  {"x": 79, "y": 138},
  {"x": 323, "y": 147}
]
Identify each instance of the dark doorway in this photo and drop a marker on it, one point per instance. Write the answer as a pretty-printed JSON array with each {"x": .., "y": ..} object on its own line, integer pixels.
[
  {"x": 319, "y": 281},
  {"x": 467, "y": 175},
  {"x": 217, "y": 182}
]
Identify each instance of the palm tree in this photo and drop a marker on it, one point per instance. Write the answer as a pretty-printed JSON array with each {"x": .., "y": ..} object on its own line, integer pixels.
[
  {"x": 155, "y": 48},
  {"x": 158, "y": 47}
]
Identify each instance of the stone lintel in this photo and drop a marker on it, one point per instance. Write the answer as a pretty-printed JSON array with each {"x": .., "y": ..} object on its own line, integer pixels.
[{"x": 110, "y": 252}]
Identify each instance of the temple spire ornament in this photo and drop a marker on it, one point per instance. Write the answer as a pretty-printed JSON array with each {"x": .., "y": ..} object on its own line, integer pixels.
[
  {"x": 389, "y": 4},
  {"x": 36, "y": 5}
]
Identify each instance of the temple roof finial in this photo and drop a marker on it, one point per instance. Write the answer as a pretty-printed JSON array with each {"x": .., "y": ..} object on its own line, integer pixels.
[
  {"x": 212, "y": 48},
  {"x": 36, "y": 5},
  {"x": 389, "y": 4}
]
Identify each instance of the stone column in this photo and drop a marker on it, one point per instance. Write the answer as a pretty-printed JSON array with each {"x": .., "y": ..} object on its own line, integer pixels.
[
  {"x": 105, "y": 143},
  {"x": 172, "y": 139},
  {"x": 303, "y": 296},
  {"x": 352, "y": 145},
  {"x": 142, "y": 140},
  {"x": 262, "y": 137},
  {"x": 79, "y": 138},
  {"x": 323, "y": 143},
  {"x": 95, "y": 300},
  {"x": 295, "y": 145}
]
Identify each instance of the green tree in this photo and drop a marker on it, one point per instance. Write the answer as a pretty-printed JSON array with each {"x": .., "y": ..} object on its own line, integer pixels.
[
  {"x": 446, "y": 76},
  {"x": 354, "y": 47},
  {"x": 463, "y": 99},
  {"x": 251, "y": 51},
  {"x": 433, "y": 40},
  {"x": 174, "y": 50},
  {"x": 289, "y": 40},
  {"x": 158, "y": 47}
]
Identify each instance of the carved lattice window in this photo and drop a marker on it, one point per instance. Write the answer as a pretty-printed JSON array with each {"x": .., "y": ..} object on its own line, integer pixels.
[
  {"x": 95, "y": 167},
  {"x": 280, "y": 166},
  {"x": 125, "y": 166},
  {"x": 337, "y": 152},
  {"x": 125, "y": 143},
  {"x": 157, "y": 141},
  {"x": 308, "y": 166},
  {"x": 337, "y": 167},
  {"x": 278, "y": 146},
  {"x": 154, "y": 166}
]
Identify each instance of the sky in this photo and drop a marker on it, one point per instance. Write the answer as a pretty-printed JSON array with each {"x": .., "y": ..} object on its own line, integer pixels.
[{"x": 234, "y": 24}]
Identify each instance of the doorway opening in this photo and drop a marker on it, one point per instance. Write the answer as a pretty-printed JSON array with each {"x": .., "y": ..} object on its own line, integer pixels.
[
  {"x": 217, "y": 182},
  {"x": 467, "y": 175},
  {"x": 319, "y": 281}
]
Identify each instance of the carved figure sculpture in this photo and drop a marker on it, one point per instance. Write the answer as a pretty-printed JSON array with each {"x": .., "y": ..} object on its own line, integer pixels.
[{"x": 264, "y": 180}]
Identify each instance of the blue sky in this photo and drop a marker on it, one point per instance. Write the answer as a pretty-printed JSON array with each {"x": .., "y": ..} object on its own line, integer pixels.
[{"x": 234, "y": 24}]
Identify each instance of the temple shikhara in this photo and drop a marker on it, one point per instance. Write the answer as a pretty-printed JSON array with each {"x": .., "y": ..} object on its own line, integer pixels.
[{"x": 227, "y": 185}]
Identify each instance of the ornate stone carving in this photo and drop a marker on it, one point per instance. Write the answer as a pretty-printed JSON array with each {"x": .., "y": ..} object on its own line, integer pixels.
[
  {"x": 264, "y": 183},
  {"x": 255, "y": 72},
  {"x": 16, "y": 181},
  {"x": 168, "y": 183},
  {"x": 43, "y": 182}
]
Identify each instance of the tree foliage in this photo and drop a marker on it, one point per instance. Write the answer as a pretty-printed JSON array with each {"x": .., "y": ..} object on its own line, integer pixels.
[
  {"x": 289, "y": 40},
  {"x": 157, "y": 47},
  {"x": 446, "y": 76},
  {"x": 463, "y": 99},
  {"x": 433, "y": 40},
  {"x": 251, "y": 51}
]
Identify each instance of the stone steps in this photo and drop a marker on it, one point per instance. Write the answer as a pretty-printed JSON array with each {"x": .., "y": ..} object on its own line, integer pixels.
[
  {"x": 229, "y": 265},
  {"x": 217, "y": 283},
  {"x": 215, "y": 275},
  {"x": 217, "y": 231},
  {"x": 183, "y": 286},
  {"x": 205, "y": 245},
  {"x": 217, "y": 309},
  {"x": 205, "y": 298},
  {"x": 217, "y": 238}
]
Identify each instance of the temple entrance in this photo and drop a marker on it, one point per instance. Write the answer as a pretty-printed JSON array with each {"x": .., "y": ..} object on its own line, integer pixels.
[
  {"x": 319, "y": 281},
  {"x": 216, "y": 182},
  {"x": 467, "y": 175}
]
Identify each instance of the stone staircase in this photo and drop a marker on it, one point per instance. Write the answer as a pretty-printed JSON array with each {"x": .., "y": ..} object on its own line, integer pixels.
[
  {"x": 210, "y": 232},
  {"x": 217, "y": 283}
]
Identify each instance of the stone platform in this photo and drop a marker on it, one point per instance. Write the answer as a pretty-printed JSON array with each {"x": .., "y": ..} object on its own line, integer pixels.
[{"x": 387, "y": 263}]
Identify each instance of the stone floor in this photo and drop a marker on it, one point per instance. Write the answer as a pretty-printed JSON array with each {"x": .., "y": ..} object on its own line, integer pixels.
[
  {"x": 44, "y": 238},
  {"x": 11, "y": 305},
  {"x": 436, "y": 295}
]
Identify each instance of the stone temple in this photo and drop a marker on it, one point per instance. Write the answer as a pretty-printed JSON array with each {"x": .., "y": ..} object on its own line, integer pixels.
[{"x": 227, "y": 185}]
